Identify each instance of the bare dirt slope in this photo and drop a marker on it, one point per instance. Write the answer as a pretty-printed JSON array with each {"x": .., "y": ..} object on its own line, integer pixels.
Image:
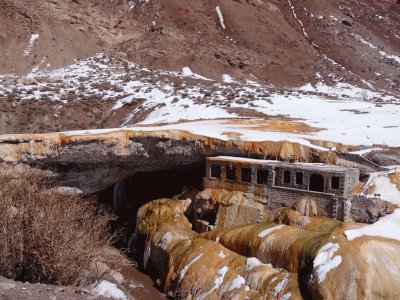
[{"x": 282, "y": 42}]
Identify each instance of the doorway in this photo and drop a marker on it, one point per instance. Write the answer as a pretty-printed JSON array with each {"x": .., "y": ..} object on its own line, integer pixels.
[{"x": 317, "y": 183}]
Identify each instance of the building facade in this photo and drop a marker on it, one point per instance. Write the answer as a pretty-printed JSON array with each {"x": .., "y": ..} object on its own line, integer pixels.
[{"x": 282, "y": 184}]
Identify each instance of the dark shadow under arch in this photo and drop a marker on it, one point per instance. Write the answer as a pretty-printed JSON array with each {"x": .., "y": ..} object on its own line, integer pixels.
[{"x": 317, "y": 183}]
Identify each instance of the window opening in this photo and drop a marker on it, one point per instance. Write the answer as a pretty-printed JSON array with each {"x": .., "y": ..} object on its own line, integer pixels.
[
  {"x": 216, "y": 171},
  {"x": 262, "y": 177}
]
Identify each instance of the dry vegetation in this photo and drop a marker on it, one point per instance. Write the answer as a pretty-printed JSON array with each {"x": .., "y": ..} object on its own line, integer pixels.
[
  {"x": 395, "y": 179},
  {"x": 49, "y": 238}
]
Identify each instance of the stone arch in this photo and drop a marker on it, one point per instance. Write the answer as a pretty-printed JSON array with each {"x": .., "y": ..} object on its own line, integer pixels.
[{"x": 317, "y": 183}]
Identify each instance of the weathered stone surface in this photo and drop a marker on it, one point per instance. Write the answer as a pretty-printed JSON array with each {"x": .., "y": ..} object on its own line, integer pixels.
[
  {"x": 185, "y": 266},
  {"x": 92, "y": 162},
  {"x": 296, "y": 250},
  {"x": 306, "y": 207},
  {"x": 369, "y": 210},
  {"x": 308, "y": 259}
]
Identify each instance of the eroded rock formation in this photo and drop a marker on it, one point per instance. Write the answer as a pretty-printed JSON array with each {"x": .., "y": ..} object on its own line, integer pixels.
[
  {"x": 92, "y": 162},
  {"x": 184, "y": 265},
  {"x": 289, "y": 257}
]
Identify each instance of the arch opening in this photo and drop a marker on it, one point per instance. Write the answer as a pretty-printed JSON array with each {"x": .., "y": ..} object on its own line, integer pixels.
[
  {"x": 317, "y": 183},
  {"x": 126, "y": 196}
]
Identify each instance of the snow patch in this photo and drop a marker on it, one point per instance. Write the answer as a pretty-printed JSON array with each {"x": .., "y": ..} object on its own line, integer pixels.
[
  {"x": 386, "y": 227},
  {"x": 237, "y": 283},
  {"x": 325, "y": 261},
  {"x": 286, "y": 296},
  {"x": 269, "y": 231},
  {"x": 34, "y": 37},
  {"x": 383, "y": 186},
  {"x": 217, "y": 283},
  {"x": 281, "y": 285},
  {"x": 120, "y": 103},
  {"x": 253, "y": 262},
  {"x": 186, "y": 268},
  {"x": 220, "y": 16},
  {"x": 186, "y": 71},
  {"x": 334, "y": 18},
  {"x": 132, "y": 4},
  {"x": 366, "y": 151},
  {"x": 36, "y": 68},
  {"x": 146, "y": 254},
  {"x": 227, "y": 79},
  {"x": 220, "y": 277},
  {"x": 381, "y": 52},
  {"x": 109, "y": 290},
  {"x": 221, "y": 254}
]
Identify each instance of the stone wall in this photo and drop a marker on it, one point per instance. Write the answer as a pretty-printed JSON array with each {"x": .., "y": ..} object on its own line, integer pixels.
[
  {"x": 347, "y": 177},
  {"x": 235, "y": 215},
  {"x": 275, "y": 197},
  {"x": 343, "y": 180},
  {"x": 281, "y": 187}
]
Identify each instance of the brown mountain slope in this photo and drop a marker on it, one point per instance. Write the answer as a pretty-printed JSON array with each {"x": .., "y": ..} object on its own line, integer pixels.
[{"x": 282, "y": 42}]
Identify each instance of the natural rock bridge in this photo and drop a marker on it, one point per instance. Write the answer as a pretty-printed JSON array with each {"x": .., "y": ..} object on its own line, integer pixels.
[{"x": 93, "y": 161}]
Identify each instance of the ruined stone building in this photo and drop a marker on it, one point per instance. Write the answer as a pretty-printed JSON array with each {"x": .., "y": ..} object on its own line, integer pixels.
[{"x": 279, "y": 184}]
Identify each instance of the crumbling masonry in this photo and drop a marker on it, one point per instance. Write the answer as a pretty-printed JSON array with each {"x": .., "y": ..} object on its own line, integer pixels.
[{"x": 280, "y": 184}]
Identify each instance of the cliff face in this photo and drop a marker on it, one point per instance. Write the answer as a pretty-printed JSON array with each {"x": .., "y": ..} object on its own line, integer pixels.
[
  {"x": 282, "y": 42},
  {"x": 93, "y": 162},
  {"x": 265, "y": 260}
]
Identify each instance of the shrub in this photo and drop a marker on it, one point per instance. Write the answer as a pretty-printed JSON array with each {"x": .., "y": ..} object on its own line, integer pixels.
[{"x": 50, "y": 238}]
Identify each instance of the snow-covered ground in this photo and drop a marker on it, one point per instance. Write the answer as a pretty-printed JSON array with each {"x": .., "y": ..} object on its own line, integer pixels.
[
  {"x": 268, "y": 231},
  {"x": 219, "y": 129},
  {"x": 109, "y": 290},
  {"x": 389, "y": 225},
  {"x": 386, "y": 227},
  {"x": 326, "y": 260},
  {"x": 382, "y": 185},
  {"x": 343, "y": 113}
]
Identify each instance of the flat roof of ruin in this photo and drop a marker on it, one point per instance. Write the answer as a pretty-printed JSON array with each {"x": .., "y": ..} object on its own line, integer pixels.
[{"x": 308, "y": 166}]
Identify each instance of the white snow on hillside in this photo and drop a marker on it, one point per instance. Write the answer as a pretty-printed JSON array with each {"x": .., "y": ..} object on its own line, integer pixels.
[
  {"x": 132, "y": 4},
  {"x": 386, "y": 227},
  {"x": 33, "y": 38},
  {"x": 343, "y": 113},
  {"x": 220, "y": 17},
  {"x": 186, "y": 71},
  {"x": 227, "y": 79},
  {"x": 382, "y": 185},
  {"x": 381, "y": 52},
  {"x": 219, "y": 129}
]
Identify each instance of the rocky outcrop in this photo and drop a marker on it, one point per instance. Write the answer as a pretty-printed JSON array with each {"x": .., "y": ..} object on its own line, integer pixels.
[
  {"x": 306, "y": 207},
  {"x": 369, "y": 210},
  {"x": 320, "y": 253},
  {"x": 92, "y": 162},
  {"x": 178, "y": 261},
  {"x": 266, "y": 260}
]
